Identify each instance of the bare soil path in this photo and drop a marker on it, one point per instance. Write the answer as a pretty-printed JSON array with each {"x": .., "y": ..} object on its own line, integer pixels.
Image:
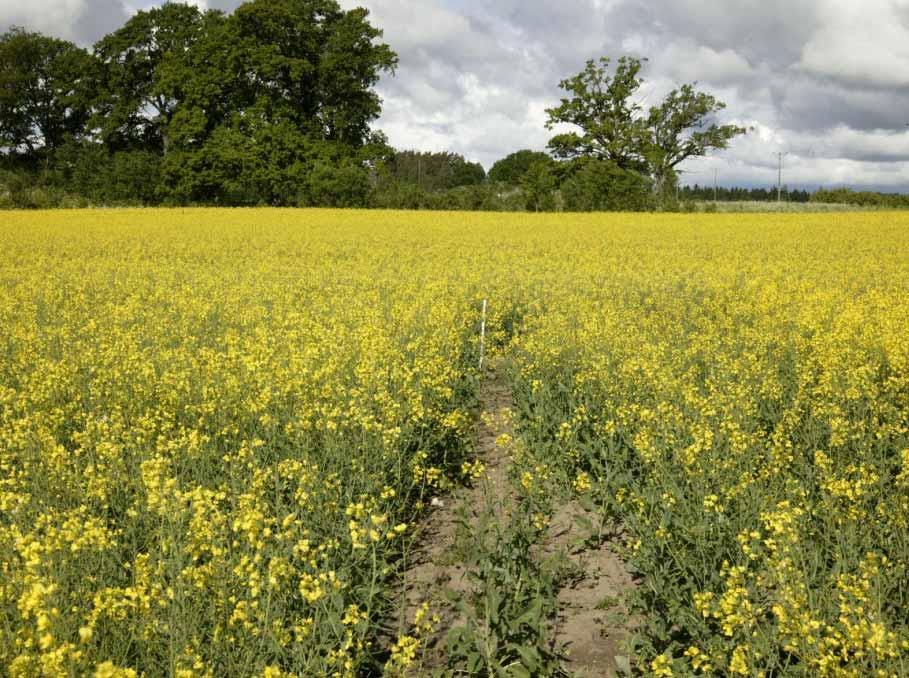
[
  {"x": 591, "y": 623},
  {"x": 434, "y": 562}
]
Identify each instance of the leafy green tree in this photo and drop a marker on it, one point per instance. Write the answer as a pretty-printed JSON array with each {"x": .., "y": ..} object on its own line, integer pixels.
[
  {"x": 311, "y": 63},
  {"x": 683, "y": 127},
  {"x": 468, "y": 174},
  {"x": 143, "y": 68},
  {"x": 602, "y": 108},
  {"x": 390, "y": 194},
  {"x": 336, "y": 184},
  {"x": 512, "y": 168},
  {"x": 539, "y": 183},
  {"x": 248, "y": 162},
  {"x": 612, "y": 126},
  {"x": 600, "y": 185},
  {"x": 435, "y": 171},
  {"x": 272, "y": 104},
  {"x": 275, "y": 91},
  {"x": 123, "y": 178},
  {"x": 42, "y": 101}
]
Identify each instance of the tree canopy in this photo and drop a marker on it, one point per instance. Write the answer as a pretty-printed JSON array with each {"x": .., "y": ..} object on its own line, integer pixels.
[
  {"x": 276, "y": 95},
  {"x": 683, "y": 127},
  {"x": 512, "y": 168},
  {"x": 260, "y": 106},
  {"x": 142, "y": 71},
  {"x": 42, "y": 82},
  {"x": 435, "y": 171},
  {"x": 610, "y": 124}
]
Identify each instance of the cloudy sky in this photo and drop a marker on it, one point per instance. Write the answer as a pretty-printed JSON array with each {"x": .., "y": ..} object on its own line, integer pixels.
[{"x": 824, "y": 81}]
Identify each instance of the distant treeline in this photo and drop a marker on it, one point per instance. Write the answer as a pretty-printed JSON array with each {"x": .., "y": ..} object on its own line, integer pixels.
[
  {"x": 734, "y": 194},
  {"x": 835, "y": 196},
  {"x": 523, "y": 181},
  {"x": 845, "y": 196}
]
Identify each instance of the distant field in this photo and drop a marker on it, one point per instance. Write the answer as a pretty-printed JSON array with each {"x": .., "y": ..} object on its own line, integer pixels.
[
  {"x": 799, "y": 207},
  {"x": 219, "y": 430}
]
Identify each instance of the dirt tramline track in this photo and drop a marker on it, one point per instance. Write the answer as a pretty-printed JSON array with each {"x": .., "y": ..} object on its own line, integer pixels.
[{"x": 590, "y": 624}]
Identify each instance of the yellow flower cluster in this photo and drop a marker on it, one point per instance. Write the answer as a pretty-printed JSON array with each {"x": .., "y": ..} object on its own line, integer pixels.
[{"x": 404, "y": 659}]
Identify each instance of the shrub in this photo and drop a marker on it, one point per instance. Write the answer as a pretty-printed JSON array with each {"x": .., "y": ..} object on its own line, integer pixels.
[{"x": 598, "y": 186}]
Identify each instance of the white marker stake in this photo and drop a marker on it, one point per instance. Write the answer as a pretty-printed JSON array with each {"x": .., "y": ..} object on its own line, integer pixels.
[{"x": 483, "y": 336}]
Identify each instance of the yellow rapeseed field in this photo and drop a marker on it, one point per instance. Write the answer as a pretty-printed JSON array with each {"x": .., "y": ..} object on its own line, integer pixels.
[{"x": 218, "y": 428}]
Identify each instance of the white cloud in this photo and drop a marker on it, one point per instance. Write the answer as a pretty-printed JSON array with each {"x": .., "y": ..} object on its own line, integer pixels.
[
  {"x": 55, "y": 17},
  {"x": 688, "y": 61},
  {"x": 862, "y": 44}
]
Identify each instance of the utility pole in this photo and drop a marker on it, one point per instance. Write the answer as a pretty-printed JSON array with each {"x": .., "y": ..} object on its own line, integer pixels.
[
  {"x": 714, "y": 183},
  {"x": 779, "y": 179}
]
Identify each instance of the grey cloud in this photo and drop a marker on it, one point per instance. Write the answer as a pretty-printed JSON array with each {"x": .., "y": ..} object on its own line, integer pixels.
[
  {"x": 224, "y": 5},
  {"x": 754, "y": 54},
  {"x": 82, "y": 21},
  {"x": 105, "y": 16},
  {"x": 817, "y": 104},
  {"x": 771, "y": 31},
  {"x": 859, "y": 45}
]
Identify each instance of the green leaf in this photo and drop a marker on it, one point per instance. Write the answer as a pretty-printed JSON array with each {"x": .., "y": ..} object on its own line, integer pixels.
[
  {"x": 530, "y": 657},
  {"x": 531, "y": 614},
  {"x": 474, "y": 663}
]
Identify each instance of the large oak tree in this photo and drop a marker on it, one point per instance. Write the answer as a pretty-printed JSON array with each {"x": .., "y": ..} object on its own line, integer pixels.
[
  {"x": 610, "y": 124},
  {"x": 279, "y": 89}
]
